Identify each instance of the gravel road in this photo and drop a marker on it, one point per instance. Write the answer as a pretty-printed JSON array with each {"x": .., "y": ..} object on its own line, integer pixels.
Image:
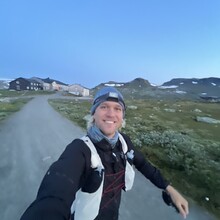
[{"x": 34, "y": 137}]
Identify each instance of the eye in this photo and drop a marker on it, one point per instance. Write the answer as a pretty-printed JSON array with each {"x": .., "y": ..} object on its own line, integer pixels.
[
  {"x": 118, "y": 108},
  {"x": 103, "y": 106}
]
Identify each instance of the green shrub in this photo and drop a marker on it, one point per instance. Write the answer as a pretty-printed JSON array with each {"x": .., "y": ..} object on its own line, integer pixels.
[{"x": 187, "y": 152}]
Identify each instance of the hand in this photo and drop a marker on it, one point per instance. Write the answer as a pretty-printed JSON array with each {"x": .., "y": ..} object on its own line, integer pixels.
[
  {"x": 180, "y": 202},
  {"x": 93, "y": 180}
]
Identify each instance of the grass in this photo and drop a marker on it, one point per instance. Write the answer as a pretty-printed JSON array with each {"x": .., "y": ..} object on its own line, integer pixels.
[
  {"x": 12, "y": 93},
  {"x": 186, "y": 151},
  {"x": 9, "y": 107},
  {"x": 12, "y": 101},
  {"x": 74, "y": 110}
]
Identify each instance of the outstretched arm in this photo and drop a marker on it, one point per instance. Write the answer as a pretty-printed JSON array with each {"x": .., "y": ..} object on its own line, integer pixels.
[
  {"x": 154, "y": 175},
  {"x": 180, "y": 202},
  {"x": 61, "y": 182}
]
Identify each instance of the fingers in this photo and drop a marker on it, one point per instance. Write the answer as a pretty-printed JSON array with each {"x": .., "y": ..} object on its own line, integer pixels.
[
  {"x": 180, "y": 202},
  {"x": 183, "y": 208}
]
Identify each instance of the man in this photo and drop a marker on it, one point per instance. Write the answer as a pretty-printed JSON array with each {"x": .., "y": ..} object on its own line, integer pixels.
[{"x": 86, "y": 181}]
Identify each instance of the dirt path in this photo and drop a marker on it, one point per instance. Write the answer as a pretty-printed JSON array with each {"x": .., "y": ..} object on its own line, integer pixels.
[{"x": 31, "y": 139}]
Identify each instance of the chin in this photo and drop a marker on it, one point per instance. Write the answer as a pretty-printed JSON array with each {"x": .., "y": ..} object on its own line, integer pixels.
[{"x": 109, "y": 135}]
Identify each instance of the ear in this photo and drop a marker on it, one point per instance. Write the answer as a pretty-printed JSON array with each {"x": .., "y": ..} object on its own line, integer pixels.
[
  {"x": 90, "y": 120},
  {"x": 122, "y": 124}
]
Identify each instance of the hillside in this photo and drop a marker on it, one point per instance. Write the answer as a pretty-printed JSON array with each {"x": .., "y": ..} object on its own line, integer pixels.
[
  {"x": 180, "y": 88},
  {"x": 202, "y": 87}
]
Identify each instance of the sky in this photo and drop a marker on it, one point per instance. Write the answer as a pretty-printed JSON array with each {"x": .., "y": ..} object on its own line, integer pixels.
[{"x": 89, "y": 42}]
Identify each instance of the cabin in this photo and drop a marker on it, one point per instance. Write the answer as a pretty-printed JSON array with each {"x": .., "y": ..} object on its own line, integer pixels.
[
  {"x": 25, "y": 84},
  {"x": 46, "y": 86},
  {"x": 56, "y": 85},
  {"x": 78, "y": 90}
]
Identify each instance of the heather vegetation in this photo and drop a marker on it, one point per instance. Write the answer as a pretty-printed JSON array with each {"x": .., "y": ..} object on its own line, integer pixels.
[
  {"x": 12, "y": 93},
  {"x": 186, "y": 151},
  {"x": 12, "y": 101}
]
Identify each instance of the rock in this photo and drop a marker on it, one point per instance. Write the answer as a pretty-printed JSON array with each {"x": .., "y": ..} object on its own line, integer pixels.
[
  {"x": 207, "y": 120},
  {"x": 132, "y": 107},
  {"x": 169, "y": 110},
  {"x": 197, "y": 110}
]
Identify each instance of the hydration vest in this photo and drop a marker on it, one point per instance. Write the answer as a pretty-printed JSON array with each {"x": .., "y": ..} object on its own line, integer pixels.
[{"x": 86, "y": 205}]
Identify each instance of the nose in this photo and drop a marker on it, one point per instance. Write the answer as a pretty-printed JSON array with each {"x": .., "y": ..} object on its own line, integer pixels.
[{"x": 110, "y": 111}]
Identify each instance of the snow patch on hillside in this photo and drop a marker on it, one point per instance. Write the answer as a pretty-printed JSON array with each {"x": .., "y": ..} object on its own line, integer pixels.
[
  {"x": 114, "y": 84},
  {"x": 168, "y": 87}
]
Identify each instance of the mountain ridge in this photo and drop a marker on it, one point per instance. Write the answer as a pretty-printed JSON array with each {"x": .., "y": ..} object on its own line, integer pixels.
[{"x": 177, "y": 88}]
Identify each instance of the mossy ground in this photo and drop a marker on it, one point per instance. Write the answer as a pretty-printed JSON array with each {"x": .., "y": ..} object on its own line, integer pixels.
[{"x": 186, "y": 151}]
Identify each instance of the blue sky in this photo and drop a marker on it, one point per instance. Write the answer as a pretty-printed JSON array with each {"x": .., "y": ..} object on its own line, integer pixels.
[{"x": 94, "y": 41}]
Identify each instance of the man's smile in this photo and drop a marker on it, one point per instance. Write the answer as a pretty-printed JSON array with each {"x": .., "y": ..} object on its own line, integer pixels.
[{"x": 109, "y": 122}]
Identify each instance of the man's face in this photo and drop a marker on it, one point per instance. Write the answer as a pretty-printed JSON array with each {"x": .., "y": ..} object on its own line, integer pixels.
[{"x": 108, "y": 117}]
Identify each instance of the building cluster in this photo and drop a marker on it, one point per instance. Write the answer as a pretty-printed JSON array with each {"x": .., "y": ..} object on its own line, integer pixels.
[{"x": 47, "y": 84}]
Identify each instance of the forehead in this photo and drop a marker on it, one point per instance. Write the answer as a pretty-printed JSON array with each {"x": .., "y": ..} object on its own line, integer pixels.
[{"x": 110, "y": 103}]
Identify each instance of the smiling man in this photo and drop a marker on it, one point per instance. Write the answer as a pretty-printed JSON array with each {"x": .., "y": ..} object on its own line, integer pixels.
[
  {"x": 108, "y": 111},
  {"x": 86, "y": 181}
]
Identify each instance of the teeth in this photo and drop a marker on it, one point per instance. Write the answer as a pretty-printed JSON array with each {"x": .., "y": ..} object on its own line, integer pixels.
[{"x": 109, "y": 122}]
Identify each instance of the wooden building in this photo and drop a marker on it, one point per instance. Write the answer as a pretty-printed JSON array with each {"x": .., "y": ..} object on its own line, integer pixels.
[
  {"x": 78, "y": 90},
  {"x": 25, "y": 84}
]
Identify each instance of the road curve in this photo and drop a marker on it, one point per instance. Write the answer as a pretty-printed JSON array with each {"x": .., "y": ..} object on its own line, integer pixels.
[{"x": 34, "y": 137}]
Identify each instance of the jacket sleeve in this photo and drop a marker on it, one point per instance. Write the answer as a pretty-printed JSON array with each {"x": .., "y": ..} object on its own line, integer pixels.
[
  {"x": 60, "y": 184},
  {"x": 145, "y": 167}
]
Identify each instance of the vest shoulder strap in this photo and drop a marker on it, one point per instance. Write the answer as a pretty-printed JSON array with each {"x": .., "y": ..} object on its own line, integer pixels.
[
  {"x": 95, "y": 159},
  {"x": 123, "y": 143}
]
